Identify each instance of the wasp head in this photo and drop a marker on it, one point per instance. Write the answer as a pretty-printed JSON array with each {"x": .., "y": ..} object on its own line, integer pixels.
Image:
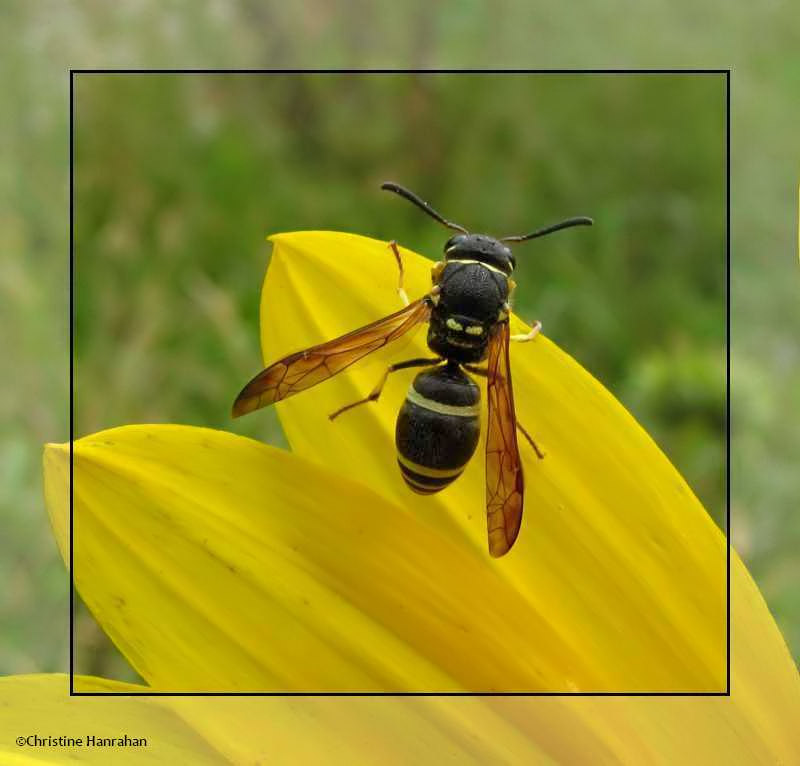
[{"x": 482, "y": 248}]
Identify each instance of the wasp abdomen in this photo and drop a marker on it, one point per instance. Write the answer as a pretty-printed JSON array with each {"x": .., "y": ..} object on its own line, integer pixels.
[{"x": 437, "y": 428}]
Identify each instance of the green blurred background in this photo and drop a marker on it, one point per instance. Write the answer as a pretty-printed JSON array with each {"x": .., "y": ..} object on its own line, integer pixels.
[{"x": 179, "y": 178}]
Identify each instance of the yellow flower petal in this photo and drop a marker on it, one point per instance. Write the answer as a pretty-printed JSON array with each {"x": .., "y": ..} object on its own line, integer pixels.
[
  {"x": 546, "y": 730},
  {"x": 39, "y": 705},
  {"x": 356, "y": 730},
  {"x": 616, "y": 555},
  {"x": 462, "y": 730},
  {"x": 218, "y": 563},
  {"x": 756, "y": 725}
]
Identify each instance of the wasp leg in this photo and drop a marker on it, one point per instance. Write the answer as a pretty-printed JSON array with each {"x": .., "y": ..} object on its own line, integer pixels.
[
  {"x": 484, "y": 373},
  {"x": 533, "y": 444},
  {"x": 400, "y": 291},
  {"x": 525, "y": 337},
  {"x": 374, "y": 395}
]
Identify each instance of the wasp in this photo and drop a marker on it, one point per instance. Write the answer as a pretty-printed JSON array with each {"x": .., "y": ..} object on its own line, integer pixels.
[{"x": 437, "y": 431}]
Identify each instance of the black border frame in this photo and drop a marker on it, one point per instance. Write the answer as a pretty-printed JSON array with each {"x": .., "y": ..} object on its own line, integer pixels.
[{"x": 727, "y": 531}]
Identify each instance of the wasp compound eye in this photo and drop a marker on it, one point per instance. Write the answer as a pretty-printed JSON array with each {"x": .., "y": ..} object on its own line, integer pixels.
[{"x": 453, "y": 242}]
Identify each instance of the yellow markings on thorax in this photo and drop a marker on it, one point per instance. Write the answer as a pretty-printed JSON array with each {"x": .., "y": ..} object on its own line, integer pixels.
[
  {"x": 473, "y": 329},
  {"x": 480, "y": 263},
  {"x": 431, "y": 473},
  {"x": 454, "y": 325},
  {"x": 461, "y": 410}
]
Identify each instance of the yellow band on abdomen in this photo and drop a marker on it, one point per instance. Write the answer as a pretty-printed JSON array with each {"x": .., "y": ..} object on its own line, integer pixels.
[
  {"x": 433, "y": 473},
  {"x": 461, "y": 410}
]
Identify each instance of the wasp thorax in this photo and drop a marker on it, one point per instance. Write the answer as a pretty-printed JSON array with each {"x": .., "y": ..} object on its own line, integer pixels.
[
  {"x": 481, "y": 248},
  {"x": 437, "y": 428}
]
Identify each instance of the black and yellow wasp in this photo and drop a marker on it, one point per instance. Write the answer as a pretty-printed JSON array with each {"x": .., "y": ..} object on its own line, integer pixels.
[{"x": 438, "y": 425}]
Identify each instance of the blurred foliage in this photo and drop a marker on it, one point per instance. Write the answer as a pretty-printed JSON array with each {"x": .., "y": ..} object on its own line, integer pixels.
[{"x": 179, "y": 179}]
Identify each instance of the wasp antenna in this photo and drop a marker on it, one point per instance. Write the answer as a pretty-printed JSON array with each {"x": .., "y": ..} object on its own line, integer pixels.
[
  {"x": 420, "y": 203},
  {"x": 580, "y": 220}
]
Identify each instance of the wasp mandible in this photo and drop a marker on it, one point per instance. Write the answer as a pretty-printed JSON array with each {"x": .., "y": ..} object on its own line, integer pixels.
[{"x": 438, "y": 426}]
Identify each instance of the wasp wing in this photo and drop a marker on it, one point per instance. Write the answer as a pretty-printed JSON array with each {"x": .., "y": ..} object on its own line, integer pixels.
[
  {"x": 304, "y": 369},
  {"x": 504, "y": 482}
]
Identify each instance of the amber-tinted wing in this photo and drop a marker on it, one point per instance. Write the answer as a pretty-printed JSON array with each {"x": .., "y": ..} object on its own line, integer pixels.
[
  {"x": 304, "y": 369},
  {"x": 504, "y": 484}
]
